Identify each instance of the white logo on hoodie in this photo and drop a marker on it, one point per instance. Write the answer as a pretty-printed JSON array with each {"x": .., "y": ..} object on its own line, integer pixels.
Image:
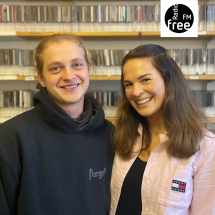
[{"x": 98, "y": 174}]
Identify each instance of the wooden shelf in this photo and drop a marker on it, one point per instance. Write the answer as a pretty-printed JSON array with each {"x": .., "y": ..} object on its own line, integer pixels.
[
  {"x": 154, "y": 35},
  {"x": 109, "y": 0},
  {"x": 51, "y": 0},
  {"x": 8, "y": 77},
  {"x": 35, "y": 78},
  {"x": 199, "y": 77},
  {"x": 27, "y": 78},
  {"x": 17, "y": 78},
  {"x": 87, "y": 0},
  {"x": 115, "y": 0},
  {"x": 83, "y": 35},
  {"x": 94, "y": 0},
  {"x": 97, "y": 78},
  {"x": 110, "y": 119},
  {"x": 2, "y": 120},
  {"x": 105, "y": 78},
  {"x": 212, "y": 120},
  {"x": 187, "y": 77},
  {"x": 108, "y": 35}
]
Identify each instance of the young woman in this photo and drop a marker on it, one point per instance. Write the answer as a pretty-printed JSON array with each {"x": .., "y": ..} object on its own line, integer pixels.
[{"x": 164, "y": 161}]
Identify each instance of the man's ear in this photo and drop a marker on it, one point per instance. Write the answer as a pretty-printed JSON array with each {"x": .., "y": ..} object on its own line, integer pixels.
[{"x": 41, "y": 80}]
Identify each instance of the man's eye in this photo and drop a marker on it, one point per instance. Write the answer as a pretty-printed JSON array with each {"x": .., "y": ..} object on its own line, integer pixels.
[
  {"x": 78, "y": 64},
  {"x": 55, "y": 68}
]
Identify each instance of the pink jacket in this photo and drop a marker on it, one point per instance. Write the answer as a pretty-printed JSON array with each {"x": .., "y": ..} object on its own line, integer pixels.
[{"x": 171, "y": 186}]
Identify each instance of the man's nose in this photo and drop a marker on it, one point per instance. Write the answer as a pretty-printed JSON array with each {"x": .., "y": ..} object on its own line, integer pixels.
[{"x": 68, "y": 73}]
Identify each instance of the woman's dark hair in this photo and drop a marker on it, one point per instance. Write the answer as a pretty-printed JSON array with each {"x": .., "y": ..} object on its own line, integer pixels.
[{"x": 184, "y": 120}]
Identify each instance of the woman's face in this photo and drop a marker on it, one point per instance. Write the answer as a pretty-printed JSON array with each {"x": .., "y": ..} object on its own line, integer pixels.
[{"x": 144, "y": 86}]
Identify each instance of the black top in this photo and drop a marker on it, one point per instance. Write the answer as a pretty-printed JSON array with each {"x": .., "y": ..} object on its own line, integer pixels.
[
  {"x": 50, "y": 167},
  {"x": 130, "y": 199}
]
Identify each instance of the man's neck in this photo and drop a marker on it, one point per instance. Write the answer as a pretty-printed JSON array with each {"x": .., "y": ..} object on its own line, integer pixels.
[
  {"x": 74, "y": 110},
  {"x": 75, "y": 113}
]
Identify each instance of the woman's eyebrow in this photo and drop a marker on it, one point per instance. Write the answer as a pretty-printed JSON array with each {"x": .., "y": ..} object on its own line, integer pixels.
[{"x": 142, "y": 76}]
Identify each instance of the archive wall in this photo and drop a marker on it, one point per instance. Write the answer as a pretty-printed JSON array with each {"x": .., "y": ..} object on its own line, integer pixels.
[{"x": 105, "y": 34}]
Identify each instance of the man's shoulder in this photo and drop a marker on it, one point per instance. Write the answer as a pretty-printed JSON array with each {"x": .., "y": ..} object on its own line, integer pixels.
[
  {"x": 12, "y": 133},
  {"x": 109, "y": 124},
  {"x": 18, "y": 122}
]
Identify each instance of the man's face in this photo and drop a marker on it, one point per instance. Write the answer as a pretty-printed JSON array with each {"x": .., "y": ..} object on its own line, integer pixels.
[{"x": 65, "y": 75}]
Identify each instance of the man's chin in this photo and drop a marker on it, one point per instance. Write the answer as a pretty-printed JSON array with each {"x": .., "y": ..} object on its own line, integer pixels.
[{"x": 74, "y": 101}]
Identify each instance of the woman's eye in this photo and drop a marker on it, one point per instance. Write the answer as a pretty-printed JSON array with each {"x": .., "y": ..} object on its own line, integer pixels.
[
  {"x": 145, "y": 80},
  {"x": 128, "y": 84}
]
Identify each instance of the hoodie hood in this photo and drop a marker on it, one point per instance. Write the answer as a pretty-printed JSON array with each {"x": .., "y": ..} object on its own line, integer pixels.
[{"x": 57, "y": 118}]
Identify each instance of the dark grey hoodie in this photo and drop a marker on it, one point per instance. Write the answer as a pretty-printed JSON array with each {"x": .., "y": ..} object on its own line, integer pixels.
[{"x": 49, "y": 167}]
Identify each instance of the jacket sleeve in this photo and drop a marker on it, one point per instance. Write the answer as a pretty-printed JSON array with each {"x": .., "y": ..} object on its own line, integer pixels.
[
  {"x": 203, "y": 202},
  {"x": 9, "y": 189}
]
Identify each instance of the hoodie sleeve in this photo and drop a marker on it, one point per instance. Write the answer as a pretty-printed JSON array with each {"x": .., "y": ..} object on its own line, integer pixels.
[{"x": 9, "y": 189}]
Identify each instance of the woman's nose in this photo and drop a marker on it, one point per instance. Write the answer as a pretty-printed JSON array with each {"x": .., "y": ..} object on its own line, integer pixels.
[{"x": 137, "y": 90}]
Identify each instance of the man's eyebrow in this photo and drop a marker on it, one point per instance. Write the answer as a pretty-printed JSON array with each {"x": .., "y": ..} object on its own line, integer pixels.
[
  {"x": 58, "y": 62},
  {"x": 76, "y": 59},
  {"x": 53, "y": 63},
  {"x": 142, "y": 76}
]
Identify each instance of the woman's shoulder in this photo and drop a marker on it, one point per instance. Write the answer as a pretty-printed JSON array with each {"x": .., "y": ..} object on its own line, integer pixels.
[{"x": 207, "y": 144}]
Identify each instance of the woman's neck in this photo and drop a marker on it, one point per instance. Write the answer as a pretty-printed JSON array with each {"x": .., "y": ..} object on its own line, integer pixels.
[{"x": 156, "y": 122}]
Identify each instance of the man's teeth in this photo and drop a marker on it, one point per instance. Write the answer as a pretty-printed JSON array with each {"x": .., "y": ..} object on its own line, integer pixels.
[
  {"x": 72, "y": 86},
  {"x": 144, "y": 101}
]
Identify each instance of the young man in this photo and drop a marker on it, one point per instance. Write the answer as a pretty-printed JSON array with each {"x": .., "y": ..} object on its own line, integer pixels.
[{"x": 56, "y": 159}]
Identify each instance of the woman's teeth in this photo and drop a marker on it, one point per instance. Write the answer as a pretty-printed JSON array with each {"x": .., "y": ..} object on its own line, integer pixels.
[{"x": 143, "y": 101}]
